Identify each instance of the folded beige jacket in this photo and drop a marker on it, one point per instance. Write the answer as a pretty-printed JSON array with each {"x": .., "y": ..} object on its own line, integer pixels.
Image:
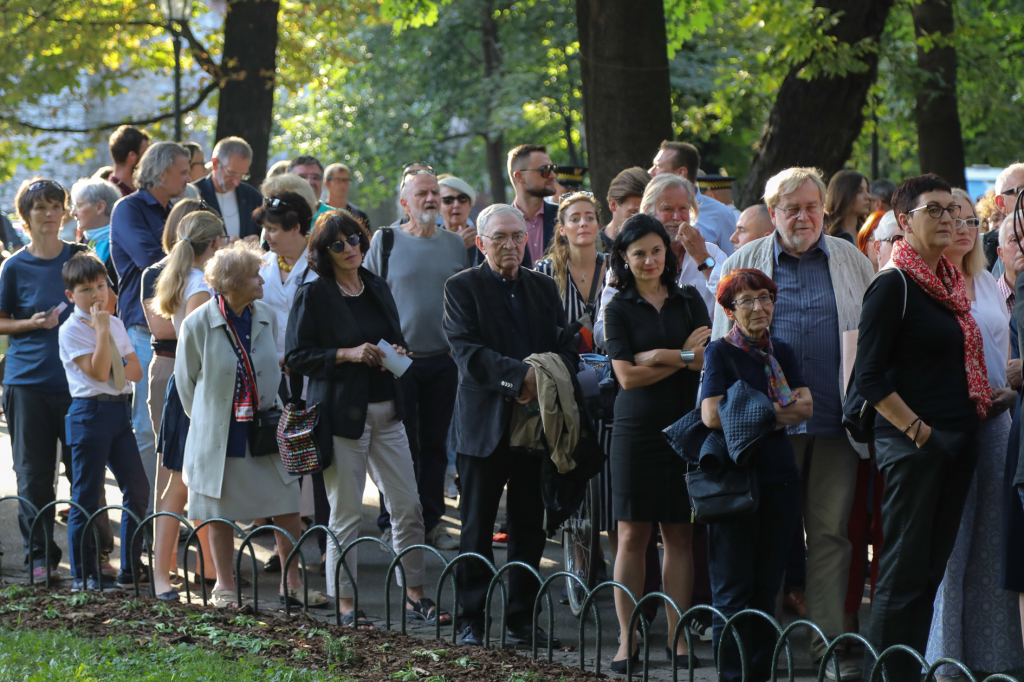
[{"x": 558, "y": 423}]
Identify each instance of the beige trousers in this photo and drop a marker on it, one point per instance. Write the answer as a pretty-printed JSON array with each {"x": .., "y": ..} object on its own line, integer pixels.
[
  {"x": 383, "y": 451},
  {"x": 828, "y": 467}
]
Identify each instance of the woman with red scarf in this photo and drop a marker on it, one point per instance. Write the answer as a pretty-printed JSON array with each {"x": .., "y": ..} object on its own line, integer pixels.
[{"x": 921, "y": 364}]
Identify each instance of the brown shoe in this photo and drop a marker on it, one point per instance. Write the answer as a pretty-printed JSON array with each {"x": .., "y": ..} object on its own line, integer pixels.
[{"x": 795, "y": 602}]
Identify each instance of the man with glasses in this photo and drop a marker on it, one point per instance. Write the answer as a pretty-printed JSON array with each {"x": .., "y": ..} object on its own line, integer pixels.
[
  {"x": 337, "y": 182},
  {"x": 821, "y": 282},
  {"x": 533, "y": 177},
  {"x": 416, "y": 259},
  {"x": 1008, "y": 185},
  {"x": 311, "y": 170},
  {"x": 495, "y": 315},
  {"x": 224, "y": 190}
]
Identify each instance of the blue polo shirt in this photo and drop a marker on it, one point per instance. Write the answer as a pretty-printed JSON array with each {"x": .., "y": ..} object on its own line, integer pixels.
[
  {"x": 30, "y": 285},
  {"x": 807, "y": 319},
  {"x": 136, "y": 233}
]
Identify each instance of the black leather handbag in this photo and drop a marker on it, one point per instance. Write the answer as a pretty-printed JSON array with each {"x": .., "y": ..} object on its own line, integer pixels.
[
  {"x": 723, "y": 496},
  {"x": 263, "y": 433}
]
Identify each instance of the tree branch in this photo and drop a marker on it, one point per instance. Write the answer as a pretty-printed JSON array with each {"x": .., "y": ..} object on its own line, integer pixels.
[
  {"x": 202, "y": 55},
  {"x": 203, "y": 94}
]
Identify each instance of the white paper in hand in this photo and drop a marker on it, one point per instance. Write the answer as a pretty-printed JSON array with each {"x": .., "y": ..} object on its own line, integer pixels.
[{"x": 395, "y": 363}]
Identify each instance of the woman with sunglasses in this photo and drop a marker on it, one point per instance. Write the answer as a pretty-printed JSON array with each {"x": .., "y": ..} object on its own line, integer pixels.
[
  {"x": 969, "y": 600},
  {"x": 921, "y": 363},
  {"x": 332, "y": 338},
  {"x": 457, "y": 198}
]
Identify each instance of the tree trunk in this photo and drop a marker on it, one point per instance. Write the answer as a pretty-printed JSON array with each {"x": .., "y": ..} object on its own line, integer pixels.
[
  {"x": 246, "y": 107},
  {"x": 815, "y": 122},
  {"x": 494, "y": 143},
  {"x": 627, "y": 97},
  {"x": 940, "y": 144}
]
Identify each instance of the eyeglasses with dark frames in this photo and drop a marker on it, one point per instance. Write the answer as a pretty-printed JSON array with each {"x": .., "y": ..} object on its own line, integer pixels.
[
  {"x": 893, "y": 239},
  {"x": 277, "y": 204},
  {"x": 1013, "y": 191},
  {"x": 425, "y": 166},
  {"x": 339, "y": 246},
  {"x": 461, "y": 198},
  {"x": 413, "y": 173},
  {"x": 935, "y": 211}
]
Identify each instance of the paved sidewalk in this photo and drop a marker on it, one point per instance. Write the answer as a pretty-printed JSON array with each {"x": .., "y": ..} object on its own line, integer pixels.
[{"x": 373, "y": 564}]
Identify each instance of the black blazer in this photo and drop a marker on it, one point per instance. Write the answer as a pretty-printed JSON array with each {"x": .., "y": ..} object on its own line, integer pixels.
[
  {"x": 248, "y": 197},
  {"x": 319, "y": 324},
  {"x": 479, "y": 333}
]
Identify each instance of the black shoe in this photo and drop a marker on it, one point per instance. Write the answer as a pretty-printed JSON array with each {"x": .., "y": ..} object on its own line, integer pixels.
[
  {"x": 522, "y": 636},
  {"x": 273, "y": 565},
  {"x": 125, "y": 580},
  {"x": 683, "y": 662},
  {"x": 471, "y": 634},
  {"x": 619, "y": 667}
]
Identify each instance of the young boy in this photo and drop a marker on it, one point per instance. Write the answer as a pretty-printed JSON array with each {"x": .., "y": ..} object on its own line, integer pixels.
[{"x": 99, "y": 362}]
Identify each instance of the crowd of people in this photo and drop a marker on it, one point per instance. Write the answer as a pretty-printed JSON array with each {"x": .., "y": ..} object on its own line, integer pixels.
[{"x": 189, "y": 303}]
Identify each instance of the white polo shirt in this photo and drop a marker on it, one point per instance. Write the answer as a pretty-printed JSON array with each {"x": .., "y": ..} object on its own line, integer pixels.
[
  {"x": 281, "y": 295},
  {"x": 75, "y": 339}
]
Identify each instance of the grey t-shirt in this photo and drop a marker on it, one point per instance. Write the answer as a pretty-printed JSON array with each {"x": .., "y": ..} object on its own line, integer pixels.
[{"x": 417, "y": 270}]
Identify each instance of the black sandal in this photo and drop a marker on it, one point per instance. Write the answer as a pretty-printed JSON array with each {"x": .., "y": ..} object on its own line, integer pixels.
[
  {"x": 359, "y": 618},
  {"x": 426, "y": 610}
]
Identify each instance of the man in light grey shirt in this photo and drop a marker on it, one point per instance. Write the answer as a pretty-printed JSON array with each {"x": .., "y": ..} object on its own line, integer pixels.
[{"x": 416, "y": 259}]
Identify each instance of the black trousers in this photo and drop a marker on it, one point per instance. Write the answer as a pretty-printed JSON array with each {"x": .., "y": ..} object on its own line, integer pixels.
[
  {"x": 35, "y": 422},
  {"x": 482, "y": 481},
  {"x": 922, "y": 503},
  {"x": 428, "y": 389},
  {"x": 748, "y": 559}
]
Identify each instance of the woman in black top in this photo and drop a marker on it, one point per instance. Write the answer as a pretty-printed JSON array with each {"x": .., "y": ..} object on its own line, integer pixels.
[
  {"x": 921, "y": 363},
  {"x": 332, "y": 337},
  {"x": 654, "y": 333}
]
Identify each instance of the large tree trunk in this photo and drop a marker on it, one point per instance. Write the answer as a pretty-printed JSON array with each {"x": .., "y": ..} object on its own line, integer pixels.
[
  {"x": 940, "y": 145},
  {"x": 246, "y": 106},
  {"x": 815, "y": 122},
  {"x": 493, "y": 143},
  {"x": 627, "y": 97}
]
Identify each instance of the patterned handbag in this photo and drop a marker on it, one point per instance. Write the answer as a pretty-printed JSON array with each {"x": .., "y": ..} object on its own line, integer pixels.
[{"x": 296, "y": 439}]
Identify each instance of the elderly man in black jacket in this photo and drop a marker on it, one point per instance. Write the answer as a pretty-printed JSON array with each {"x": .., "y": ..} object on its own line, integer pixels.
[{"x": 495, "y": 315}]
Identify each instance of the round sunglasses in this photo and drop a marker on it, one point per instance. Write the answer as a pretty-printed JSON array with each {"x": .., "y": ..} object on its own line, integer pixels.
[{"x": 339, "y": 246}]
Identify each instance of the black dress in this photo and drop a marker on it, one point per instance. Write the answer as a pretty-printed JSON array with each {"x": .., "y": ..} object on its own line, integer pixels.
[{"x": 648, "y": 477}]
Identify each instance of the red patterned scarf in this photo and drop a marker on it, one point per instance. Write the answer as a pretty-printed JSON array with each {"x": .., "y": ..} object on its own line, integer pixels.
[
  {"x": 244, "y": 402},
  {"x": 948, "y": 289}
]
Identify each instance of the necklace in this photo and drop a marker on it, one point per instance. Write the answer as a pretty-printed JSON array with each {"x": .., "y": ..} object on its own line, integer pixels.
[
  {"x": 283, "y": 264},
  {"x": 345, "y": 293}
]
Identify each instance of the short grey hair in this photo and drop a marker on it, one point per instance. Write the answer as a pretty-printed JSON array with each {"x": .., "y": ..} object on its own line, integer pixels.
[
  {"x": 334, "y": 168},
  {"x": 232, "y": 146},
  {"x": 231, "y": 266},
  {"x": 1003, "y": 179},
  {"x": 92, "y": 190},
  {"x": 789, "y": 181},
  {"x": 493, "y": 210},
  {"x": 1006, "y": 230},
  {"x": 656, "y": 187},
  {"x": 158, "y": 157}
]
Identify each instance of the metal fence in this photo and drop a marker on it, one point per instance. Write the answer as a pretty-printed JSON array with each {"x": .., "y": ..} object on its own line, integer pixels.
[{"x": 589, "y": 605}]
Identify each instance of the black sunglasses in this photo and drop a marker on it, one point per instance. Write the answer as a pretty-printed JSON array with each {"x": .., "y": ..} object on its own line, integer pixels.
[
  {"x": 275, "y": 204},
  {"x": 461, "y": 198},
  {"x": 426, "y": 167},
  {"x": 339, "y": 246},
  {"x": 44, "y": 183},
  {"x": 545, "y": 171}
]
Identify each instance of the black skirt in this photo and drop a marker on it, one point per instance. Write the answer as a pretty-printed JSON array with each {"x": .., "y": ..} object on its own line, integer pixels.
[
  {"x": 648, "y": 478},
  {"x": 174, "y": 425}
]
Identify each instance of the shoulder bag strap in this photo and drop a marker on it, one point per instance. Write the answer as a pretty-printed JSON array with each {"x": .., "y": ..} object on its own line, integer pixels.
[{"x": 387, "y": 243}]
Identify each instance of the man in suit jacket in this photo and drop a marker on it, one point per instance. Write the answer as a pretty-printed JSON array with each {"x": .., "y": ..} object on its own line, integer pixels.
[
  {"x": 533, "y": 176},
  {"x": 495, "y": 315},
  {"x": 224, "y": 189}
]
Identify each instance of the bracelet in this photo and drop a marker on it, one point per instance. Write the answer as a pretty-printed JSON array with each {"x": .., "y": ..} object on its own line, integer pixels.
[{"x": 911, "y": 425}]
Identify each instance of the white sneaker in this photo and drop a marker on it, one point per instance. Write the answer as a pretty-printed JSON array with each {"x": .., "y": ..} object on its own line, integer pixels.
[
  {"x": 385, "y": 537},
  {"x": 438, "y": 538}
]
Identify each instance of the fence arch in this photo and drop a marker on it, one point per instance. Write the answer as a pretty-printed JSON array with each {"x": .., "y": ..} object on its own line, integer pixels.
[
  {"x": 396, "y": 564},
  {"x": 152, "y": 536},
  {"x": 296, "y": 549},
  {"x": 341, "y": 563},
  {"x": 544, "y": 592},
  {"x": 247, "y": 542},
  {"x": 504, "y": 601},
  {"x": 588, "y": 602},
  {"x": 46, "y": 536},
  {"x": 449, "y": 570}
]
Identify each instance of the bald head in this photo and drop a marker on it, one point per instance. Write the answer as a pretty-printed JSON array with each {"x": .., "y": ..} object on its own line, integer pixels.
[{"x": 755, "y": 222}]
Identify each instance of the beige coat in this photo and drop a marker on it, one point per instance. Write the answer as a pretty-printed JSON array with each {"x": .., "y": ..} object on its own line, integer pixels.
[
  {"x": 559, "y": 420},
  {"x": 205, "y": 370}
]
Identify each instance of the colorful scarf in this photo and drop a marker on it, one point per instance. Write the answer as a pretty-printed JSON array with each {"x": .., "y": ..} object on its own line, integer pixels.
[
  {"x": 948, "y": 289},
  {"x": 243, "y": 403},
  {"x": 761, "y": 349}
]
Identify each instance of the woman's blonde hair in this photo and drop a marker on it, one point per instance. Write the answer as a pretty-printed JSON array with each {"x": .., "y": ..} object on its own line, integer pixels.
[
  {"x": 231, "y": 266},
  {"x": 558, "y": 250},
  {"x": 197, "y": 231},
  {"x": 974, "y": 260},
  {"x": 290, "y": 182}
]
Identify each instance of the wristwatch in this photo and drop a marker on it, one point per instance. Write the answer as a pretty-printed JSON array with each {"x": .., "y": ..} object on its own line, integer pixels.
[
  {"x": 687, "y": 356},
  {"x": 709, "y": 262}
]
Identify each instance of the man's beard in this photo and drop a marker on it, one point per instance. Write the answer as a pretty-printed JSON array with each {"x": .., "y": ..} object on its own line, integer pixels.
[
  {"x": 428, "y": 216},
  {"x": 544, "y": 191}
]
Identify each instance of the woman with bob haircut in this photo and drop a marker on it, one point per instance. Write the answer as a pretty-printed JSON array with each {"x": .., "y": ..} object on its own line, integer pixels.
[
  {"x": 747, "y": 556},
  {"x": 332, "y": 338},
  {"x": 655, "y": 333}
]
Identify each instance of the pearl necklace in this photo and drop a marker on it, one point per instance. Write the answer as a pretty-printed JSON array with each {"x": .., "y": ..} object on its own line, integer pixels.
[{"x": 362, "y": 287}]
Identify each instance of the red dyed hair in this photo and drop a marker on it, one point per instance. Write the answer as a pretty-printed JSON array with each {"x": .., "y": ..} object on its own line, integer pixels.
[
  {"x": 730, "y": 286},
  {"x": 864, "y": 235}
]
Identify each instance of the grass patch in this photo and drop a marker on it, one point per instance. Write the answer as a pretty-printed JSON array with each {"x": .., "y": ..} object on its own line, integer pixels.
[{"x": 49, "y": 656}]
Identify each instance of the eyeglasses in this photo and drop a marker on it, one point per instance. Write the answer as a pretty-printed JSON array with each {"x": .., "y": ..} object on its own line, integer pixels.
[
  {"x": 462, "y": 199},
  {"x": 502, "y": 239},
  {"x": 425, "y": 166},
  {"x": 339, "y": 246},
  {"x": 1013, "y": 191},
  {"x": 545, "y": 171},
  {"x": 311, "y": 177},
  {"x": 45, "y": 183},
  {"x": 893, "y": 239},
  {"x": 970, "y": 223},
  {"x": 203, "y": 206},
  {"x": 413, "y": 173},
  {"x": 810, "y": 210},
  {"x": 766, "y": 301},
  {"x": 235, "y": 176},
  {"x": 575, "y": 194},
  {"x": 936, "y": 211}
]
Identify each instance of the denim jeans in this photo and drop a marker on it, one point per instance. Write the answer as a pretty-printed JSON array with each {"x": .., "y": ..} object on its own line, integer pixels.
[{"x": 142, "y": 342}]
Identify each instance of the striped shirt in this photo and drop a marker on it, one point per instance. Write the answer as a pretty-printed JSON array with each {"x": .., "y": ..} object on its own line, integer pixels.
[
  {"x": 1009, "y": 296},
  {"x": 807, "y": 319},
  {"x": 573, "y": 301}
]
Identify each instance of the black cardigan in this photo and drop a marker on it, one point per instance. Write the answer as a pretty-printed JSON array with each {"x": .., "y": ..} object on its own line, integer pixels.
[{"x": 319, "y": 324}]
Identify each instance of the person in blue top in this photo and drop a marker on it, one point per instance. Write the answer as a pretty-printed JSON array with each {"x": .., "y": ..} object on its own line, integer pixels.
[
  {"x": 36, "y": 396},
  {"x": 747, "y": 555}
]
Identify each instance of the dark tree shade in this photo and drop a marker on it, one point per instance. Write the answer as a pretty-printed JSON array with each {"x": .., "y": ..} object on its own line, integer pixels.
[
  {"x": 246, "y": 106},
  {"x": 627, "y": 97},
  {"x": 940, "y": 144},
  {"x": 815, "y": 122}
]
